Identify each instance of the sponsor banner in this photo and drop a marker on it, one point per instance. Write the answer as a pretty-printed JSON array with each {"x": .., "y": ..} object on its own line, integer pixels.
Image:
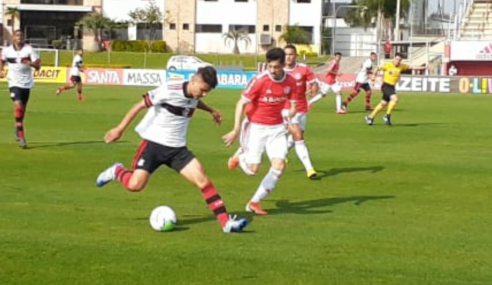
[
  {"x": 472, "y": 85},
  {"x": 144, "y": 77},
  {"x": 46, "y": 74},
  {"x": 406, "y": 84},
  {"x": 471, "y": 50},
  {"x": 100, "y": 76},
  {"x": 227, "y": 79}
]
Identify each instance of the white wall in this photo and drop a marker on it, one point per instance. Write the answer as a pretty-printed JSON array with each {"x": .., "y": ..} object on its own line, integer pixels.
[
  {"x": 219, "y": 13},
  {"x": 118, "y": 10},
  {"x": 307, "y": 14},
  {"x": 355, "y": 41}
]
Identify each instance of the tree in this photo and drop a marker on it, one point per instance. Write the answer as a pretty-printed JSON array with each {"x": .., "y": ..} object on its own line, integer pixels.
[
  {"x": 384, "y": 11},
  {"x": 236, "y": 36},
  {"x": 13, "y": 13},
  {"x": 95, "y": 23},
  {"x": 151, "y": 17},
  {"x": 295, "y": 35}
]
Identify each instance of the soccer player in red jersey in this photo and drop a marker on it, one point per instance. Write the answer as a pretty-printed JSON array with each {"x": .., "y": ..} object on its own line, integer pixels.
[
  {"x": 306, "y": 82},
  {"x": 21, "y": 59},
  {"x": 331, "y": 83},
  {"x": 264, "y": 130},
  {"x": 163, "y": 130}
]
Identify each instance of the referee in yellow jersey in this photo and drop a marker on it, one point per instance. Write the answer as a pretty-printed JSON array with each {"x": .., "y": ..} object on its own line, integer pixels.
[{"x": 392, "y": 72}]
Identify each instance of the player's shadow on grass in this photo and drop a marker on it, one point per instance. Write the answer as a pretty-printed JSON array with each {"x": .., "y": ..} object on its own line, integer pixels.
[
  {"x": 335, "y": 171},
  {"x": 316, "y": 206},
  {"x": 62, "y": 144},
  {"x": 397, "y": 125}
]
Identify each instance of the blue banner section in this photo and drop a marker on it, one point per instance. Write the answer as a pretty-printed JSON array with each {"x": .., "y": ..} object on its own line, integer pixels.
[{"x": 227, "y": 79}]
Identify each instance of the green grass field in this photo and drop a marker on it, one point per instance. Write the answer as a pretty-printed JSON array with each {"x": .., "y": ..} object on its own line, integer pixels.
[{"x": 408, "y": 204}]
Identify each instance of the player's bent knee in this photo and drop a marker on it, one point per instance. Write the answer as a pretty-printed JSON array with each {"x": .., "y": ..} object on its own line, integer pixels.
[{"x": 278, "y": 164}]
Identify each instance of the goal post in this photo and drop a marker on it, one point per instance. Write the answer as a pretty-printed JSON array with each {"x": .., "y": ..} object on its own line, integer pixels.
[{"x": 49, "y": 56}]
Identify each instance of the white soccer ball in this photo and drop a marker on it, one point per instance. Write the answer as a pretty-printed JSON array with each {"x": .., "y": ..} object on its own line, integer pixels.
[{"x": 162, "y": 219}]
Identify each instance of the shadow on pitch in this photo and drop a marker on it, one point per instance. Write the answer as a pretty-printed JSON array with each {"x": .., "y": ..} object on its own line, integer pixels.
[
  {"x": 335, "y": 171},
  {"x": 415, "y": 125},
  {"x": 309, "y": 207},
  {"x": 62, "y": 144}
]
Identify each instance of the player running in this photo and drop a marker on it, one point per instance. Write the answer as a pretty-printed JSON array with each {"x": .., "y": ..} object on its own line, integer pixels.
[
  {"x": 331, "y": 83},
  {"x": 21, "y": 59},
  {"x": 306, "y": 79},
  {"x": 391, "y": 76},
  {"x": 163, "y": 130},
  {"x": 264, "y": 99},
  {"x": 75, "y": 79},
  {"x": 362, "y": 82}
]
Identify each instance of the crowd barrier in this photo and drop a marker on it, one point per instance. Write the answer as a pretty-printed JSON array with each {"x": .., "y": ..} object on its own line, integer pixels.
[{"x": 239, "y": 79}]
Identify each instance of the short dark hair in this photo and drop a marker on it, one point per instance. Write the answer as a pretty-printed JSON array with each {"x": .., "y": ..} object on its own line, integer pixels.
[
  {"x": 275, "y": 54},
  {"x": 209, "y": 75},
  {"x": 18, "y": 31},
  {"x": 292, "y": 47},
  {"x": 373, "y": 53},
  {"x": 338, "y": 53},
  {"x": 398, "y": 54}
]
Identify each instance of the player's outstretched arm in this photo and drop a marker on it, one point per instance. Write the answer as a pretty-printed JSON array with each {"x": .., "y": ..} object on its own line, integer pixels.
[
  {"x": 414, "y": 67},
  {"x": 230, "y": 137},
  {"x": 217, "y": 116},
  {"x": 115, "y": 133},
  {"x": 375, "y": 74},
  {"x": 2, "y": 70}
]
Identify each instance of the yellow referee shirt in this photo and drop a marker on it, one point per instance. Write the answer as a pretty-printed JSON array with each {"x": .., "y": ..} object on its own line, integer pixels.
[{"x": 392, "y": 73}]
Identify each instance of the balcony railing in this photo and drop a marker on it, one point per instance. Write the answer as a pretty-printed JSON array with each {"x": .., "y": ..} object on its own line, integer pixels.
[{"x": 54, "y": 2}]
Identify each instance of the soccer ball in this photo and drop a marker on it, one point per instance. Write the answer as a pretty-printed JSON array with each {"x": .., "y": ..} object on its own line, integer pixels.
[{"x": 162, "y": 219}]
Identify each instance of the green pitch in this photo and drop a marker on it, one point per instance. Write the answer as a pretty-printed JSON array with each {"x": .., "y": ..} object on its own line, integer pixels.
[{"x": 408, "y": 204}]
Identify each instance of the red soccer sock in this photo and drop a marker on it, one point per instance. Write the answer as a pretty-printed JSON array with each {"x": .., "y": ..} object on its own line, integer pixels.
[
  {"x": 215, "y": 204},
  {"x": 79, "y": 90},
  {"x": 123, "y": 176},
  {"x": 19, "y": 121}
]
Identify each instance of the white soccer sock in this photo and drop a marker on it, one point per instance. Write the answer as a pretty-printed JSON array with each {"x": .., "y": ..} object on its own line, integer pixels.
[
  {"x": 244, "y": 165},
  {"x": 303, "y": 154},
  {"x": 339, "y": 101},
  {"x": 316, "y": 98},
  {"x": 267, "y": 185},
  {"x": 290, "y": 141}
]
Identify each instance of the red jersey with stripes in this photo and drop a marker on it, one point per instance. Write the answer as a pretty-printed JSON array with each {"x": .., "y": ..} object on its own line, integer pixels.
[
  {"x": 19, "y": 73},
  {"x": 170, "y": 109},
  {"x": 334, "y": 66},
  {"x": 304, "y": 76},
  {"x": 267, "y": 97}
]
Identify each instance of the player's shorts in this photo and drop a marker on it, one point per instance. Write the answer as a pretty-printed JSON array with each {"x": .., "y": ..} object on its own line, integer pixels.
[
  {"x": 20, "y": 94},
  {"x": 256, "y": 139},
  {"x": 75, "y": 79},
  {"x": 325, "y": 87},
  {"x": 364, "y": 86},
  {"x": 151, "y": 155},
  {"x": 299, "y": 118},
  {"x": 388, "y": 91}
]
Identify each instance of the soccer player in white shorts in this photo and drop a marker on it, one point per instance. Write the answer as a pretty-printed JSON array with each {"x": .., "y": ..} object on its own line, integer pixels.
[
  {"x": 330, "y": 83},
  {"x": 264, "y": 129},
  {"x": 297, "y": 125}
]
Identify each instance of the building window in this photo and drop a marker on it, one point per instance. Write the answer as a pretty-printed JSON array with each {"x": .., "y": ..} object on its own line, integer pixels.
[
  {"x": 240, "y": 0},
  {"x": 303, "y": 1},
  {"x": 278, "y": 28},
  {"x": 250, "y": 28},
  {"x": 207, "y": 28},
  {"x": 186, "y": 26},
  {"x": 309, "y": 32},
  {"x": 172, "y": 26},
  {"x": 149, "y": 32},
  {"x": 266, "y": 28}
]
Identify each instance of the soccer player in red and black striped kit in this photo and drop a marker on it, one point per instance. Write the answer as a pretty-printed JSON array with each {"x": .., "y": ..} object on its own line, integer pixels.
[
  {"x": 362, "y": 82},
  {"x": 21, "y": 59},
  {"x": 163, "y": 130}
]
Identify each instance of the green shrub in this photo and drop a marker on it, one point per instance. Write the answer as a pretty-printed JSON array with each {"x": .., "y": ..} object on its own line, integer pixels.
[
  {"x": 138, "y": 46},
  {"x": 56, "y": 44}
]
